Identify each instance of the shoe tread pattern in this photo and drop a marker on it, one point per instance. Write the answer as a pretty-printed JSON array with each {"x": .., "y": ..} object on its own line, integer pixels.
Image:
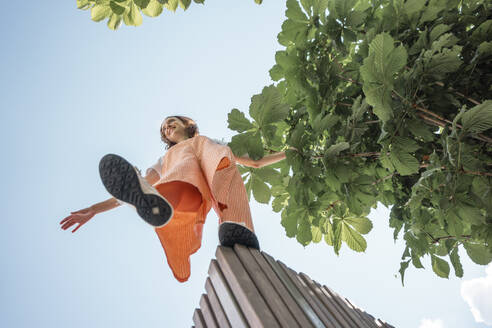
[
  {"x": 121, "y": 181},
  {"x": 232, "y": 233}
]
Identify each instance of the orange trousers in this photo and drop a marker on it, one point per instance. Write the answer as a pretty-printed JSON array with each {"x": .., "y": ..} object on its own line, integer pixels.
[{"x": 182, "y": 236}]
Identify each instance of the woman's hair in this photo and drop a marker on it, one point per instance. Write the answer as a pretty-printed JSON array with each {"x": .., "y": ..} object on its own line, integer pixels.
[{"x": 191, "y": 129}]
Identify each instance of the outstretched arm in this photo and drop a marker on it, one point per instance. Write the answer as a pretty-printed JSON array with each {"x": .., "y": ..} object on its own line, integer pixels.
[
  {"x": 81, "y": 217},
  {"x": 266, "y": 160}
]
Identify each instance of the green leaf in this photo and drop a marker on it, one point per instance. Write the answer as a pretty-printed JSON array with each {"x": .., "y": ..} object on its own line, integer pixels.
[
  {"x": 289, "y": 222},
  {"x": 478, "y": 253},
  {"x": 255, "y": 146},
  {"x": 379, "y": 96},
  {"x": 316, "y": 234},
  {"x": 343, "y": 7},
  {"x": 485, "y": 49},
  {"x": 171, "y": 5},
  {"x": 142, "y": 3},
  {"x": 328, "y": 232},
  {"x": 334, "y": 150},
  {"x": 481, "y": 187},
  {"x": 304, "y": 235},
  {"x": 100, "y": 12},
  {"x": 431, "y": 11},
  {"x": 337, "y": 236},
  {"x": 184, "y": 4},
  {"x": 117, "y": 8},
  {"x": 420, "y": 131},
  {"x": 239, "y": 143},
  {"x": 276, "y": 73},
  {"x": 292, "y": 31},
  {"x": 362, "y": 224},
  {"x": 355, "y": 18},
  {"x": 416, "y": 261},
  {"x": 479, "y": 118},
  {"x": 279, "y": 202},
  {"x": 83, "y": 4},
  {"x": 405, "y": 144},
  {"x": 114, "y": 21},
  {"x": 403, "y": 267},
  {"x": 362, "y": 5},
  {"x": 437, "y": 31},
  {"x": 445, "y": 61},
  {"x": 247, "y": 142},
  {"x": 153, "y": 9},
  {"x": 386, "y": 161},
  {"x": 133, "y": 16},
  {"x": 325, "y": 123},
  {"x": 378, "y": 70},
  {"x": 352, "y": 238},
  {"x": 267, "y": 107},
  {"x": 238, "y": 121},
  {"x": 455, "y": 260},
  {"x": 470, "y": 214},
  {"x": 413, "y": 6},
  {"x": 261, "y": 191},
  {"x": 268, "y": 174},
  {"x": 294, "y": 11},
  {"x": 483, "y": 31},
  {"x": 403, "y": 162},
  {"x": 440, "y": 267}
]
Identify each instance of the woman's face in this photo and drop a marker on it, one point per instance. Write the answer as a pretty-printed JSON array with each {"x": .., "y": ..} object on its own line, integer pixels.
[{"x": 174, "y": 129}]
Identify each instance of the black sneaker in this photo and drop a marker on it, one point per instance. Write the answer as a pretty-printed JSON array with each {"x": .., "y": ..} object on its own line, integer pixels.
[
  {"x": 124, "y": 182},
  {"x": 233, "y": 233}
]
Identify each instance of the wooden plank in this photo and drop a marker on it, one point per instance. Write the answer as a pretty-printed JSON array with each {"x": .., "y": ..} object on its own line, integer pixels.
[
  {"x": 207, "y": 312},
  {"x": 198, "y": 319},
  {"x": 369, "y": 319},
  {"x": 355, "y": 309},
  {"x": 269, "y": 294},
  {"x": 353, "y": 320},
  {"x": 253, "y": 306},
  {"x": 216, "y": 306},
  {"x": 226, "y": 297},
  {"x": 329, "y": 304},
  {"x": 348, "y": 310},
  {"x": 294, "y": 291},
  {"x": 371, "y": 323},
  {"x": 298, "y": 314},
  {"x": 310, "y": 297}
]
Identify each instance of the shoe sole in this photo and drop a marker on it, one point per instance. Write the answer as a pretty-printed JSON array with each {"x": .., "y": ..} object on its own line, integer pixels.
[
  {"x": 121, "y": 180},
  {"x": 233, "y": 233}
]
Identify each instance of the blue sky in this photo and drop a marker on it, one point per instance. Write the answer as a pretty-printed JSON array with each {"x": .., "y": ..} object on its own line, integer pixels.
[{"x": 72, "y": 90}]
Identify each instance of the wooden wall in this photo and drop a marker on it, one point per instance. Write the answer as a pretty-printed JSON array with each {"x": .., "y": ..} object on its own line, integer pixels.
[{"x": 249, "y": 288}]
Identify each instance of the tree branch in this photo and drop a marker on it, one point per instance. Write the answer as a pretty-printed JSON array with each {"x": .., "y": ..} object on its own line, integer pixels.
[
  {"x": 438, "y": 239},
  {"x": 459, "y": 93},
  {"x": 355, "y": 155},
  {"x": 383, "y": 178},
  {"x": 443, "y": 120},
  {"x": 343, "y": 104},
  {"x": 477, "y": 173},
  {"x": 348, "y": 79}
]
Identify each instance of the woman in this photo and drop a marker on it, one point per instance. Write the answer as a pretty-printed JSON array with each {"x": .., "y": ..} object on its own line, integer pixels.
[{"x": 178, "y": 191}]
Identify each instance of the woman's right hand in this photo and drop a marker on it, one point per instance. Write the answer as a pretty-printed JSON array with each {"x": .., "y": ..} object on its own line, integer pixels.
[{"x": 80, "y": 217}]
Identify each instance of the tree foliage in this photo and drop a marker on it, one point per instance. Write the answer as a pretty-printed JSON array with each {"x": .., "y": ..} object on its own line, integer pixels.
[
  {"x": 383, "y": 101},
  {"x": 130, "y": 11}
]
